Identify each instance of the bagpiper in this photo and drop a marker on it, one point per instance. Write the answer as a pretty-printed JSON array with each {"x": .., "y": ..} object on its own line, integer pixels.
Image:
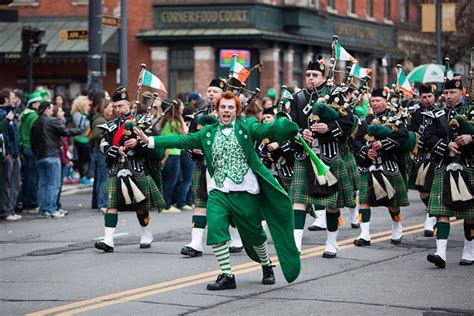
[
  {"x": 450, "y": 138},
  {"x": 423, "y": 169},
  {"x": 376, "y": 146},
  {"x": 323, "y": 140},
  {"x": 129, "y": 185}
]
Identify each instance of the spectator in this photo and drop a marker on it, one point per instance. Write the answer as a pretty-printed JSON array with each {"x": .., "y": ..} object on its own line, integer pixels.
[
  {"x": 46, "y": 135},
  {"x": 18, "y": 100},
  {"x": 267, "y": 103},
  {"x": 60, "y": 101},
  {"x": 80, "y": 117},
  {"x": 11, "y": 168},
  {"x": 171, "y": 124},
  {"x": 30, "y": 175},
  {"x": 103, "y": 113},
  {"x": 58, "y": 113}
]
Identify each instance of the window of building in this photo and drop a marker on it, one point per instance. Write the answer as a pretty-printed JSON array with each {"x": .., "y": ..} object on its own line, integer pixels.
[
  {"x": 370, "y": 8},
  {"x": 387, "y": 9},
  {"x": 181, "y": 71},
  {"x": 403, "y": 10},
  {"x": 313, "y": 4},
  {"x": 281, "y": 72},
  {"x": 350, "y": 6},
  {"x": 332, "y": 4},
  {"x": 24, "y": 2},
  {"x": 298, "y": 70},
  {"x": 80, "y": 2}
]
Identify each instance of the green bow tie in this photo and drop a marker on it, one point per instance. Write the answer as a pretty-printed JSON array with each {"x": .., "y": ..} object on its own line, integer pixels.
[{"x": 226, "y": 126}]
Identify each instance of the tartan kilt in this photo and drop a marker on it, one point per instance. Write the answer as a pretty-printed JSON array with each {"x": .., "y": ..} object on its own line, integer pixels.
[
  {"x": 436, "y": 206},
  {"x": 298, "y": 191},
  {"x": 401, "y": 194},
  {"x": 351, "y": 167},
  {"x": 154, "y": 198},
  {"x": 196, "y": 177}
]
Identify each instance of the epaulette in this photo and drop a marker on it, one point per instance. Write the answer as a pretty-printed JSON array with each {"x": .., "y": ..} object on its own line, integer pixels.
[
  {"x": 439, "y": 113},
  {"x": 109, "y": 126}
]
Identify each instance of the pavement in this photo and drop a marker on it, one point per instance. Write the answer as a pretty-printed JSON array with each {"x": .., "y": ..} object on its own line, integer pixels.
[{"x": 50, "y": 267}]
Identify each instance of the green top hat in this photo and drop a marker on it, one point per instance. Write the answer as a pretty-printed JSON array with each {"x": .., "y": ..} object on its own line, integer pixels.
[{"x": 34, "y": 97}]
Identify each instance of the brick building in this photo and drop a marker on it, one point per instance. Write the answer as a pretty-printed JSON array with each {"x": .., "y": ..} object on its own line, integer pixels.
[{"x": 182, "y": 42}]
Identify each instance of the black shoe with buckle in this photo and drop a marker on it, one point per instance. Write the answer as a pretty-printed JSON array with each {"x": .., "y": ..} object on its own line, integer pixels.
[
  {"x": 145, "y": 245},
  {"x": 355, "y": 225},
  {"x": 437, "y": 260},
  {"x": 329, "y": 254},
  {"x": 236, "y": 249},
  {"x": 268, "y": 275},
  {"x": 223, "y": 282},
  {"x": 361, "y": 242},
  {"x": 191, "y": 252},
  {"x": 103, "y": 246},
  {"x": 396, "y": 241}
]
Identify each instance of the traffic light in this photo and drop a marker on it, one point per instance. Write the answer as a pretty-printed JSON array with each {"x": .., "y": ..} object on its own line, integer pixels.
[{"x": 31, "y": 42}]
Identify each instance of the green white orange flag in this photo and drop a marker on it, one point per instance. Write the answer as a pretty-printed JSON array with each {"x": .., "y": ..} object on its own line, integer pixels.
[
  {"x": 403, "y": 84},
  {"x": 238, "y": 71},
  {"x": 287, "y": 95},
  {"x": 359, "y": 72},
  {"x": 342, "y": 54},
  {"x": 152, "y": 81}
]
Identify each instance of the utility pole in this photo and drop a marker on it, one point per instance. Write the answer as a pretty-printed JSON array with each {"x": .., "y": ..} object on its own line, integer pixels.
[
  {"x": 438, "y": 31},
  {"x": 123, "y": 44},
  {"x": 94, "y": 57}
]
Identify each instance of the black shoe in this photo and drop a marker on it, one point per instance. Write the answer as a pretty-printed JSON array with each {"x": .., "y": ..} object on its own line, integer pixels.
[
  {"x": 465, "y": 262},
  {"x": 314, "y": 228},
  {"x": 144, "y": 246},
  {"x": 396, "y": 241},
  {"x": 103, "y": 246},
  {"x": 268, "y": 275},
  {"x": 188, "y": 251},
  {"x": 223, "y": 282},
  {"x": 437, "y": 260},
  {"x": 428, "y": 233},
  {"x": 355, "y": 226},
  {"x": 361, "y": 242},
  {"x": 236, "y": 249},
  {"x": 329, "y": 255}
]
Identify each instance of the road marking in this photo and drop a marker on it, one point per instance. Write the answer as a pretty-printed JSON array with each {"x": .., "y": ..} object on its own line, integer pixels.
[
  {"x": 138, "y": 293},
  {"x": 115, "y": 235}
]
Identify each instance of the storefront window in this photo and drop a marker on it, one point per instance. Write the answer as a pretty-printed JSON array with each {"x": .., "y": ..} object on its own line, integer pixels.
[{"x": 298, "y": 70}]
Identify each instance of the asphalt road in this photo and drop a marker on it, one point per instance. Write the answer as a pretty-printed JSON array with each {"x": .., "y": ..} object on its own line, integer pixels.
[{"x": 49, "y": 266}]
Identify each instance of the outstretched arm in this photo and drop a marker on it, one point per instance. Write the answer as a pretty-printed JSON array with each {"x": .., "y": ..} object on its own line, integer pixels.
[{"x": 188, "y": 141}]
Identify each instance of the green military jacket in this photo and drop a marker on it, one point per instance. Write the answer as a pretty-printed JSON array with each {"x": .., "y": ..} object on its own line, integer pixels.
[{"x": 276, "y": 206}]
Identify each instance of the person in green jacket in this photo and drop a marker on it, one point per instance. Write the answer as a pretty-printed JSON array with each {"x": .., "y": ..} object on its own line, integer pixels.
[
  {"x": 30, "y": 175},
  {"x": 241, "y": 189}
]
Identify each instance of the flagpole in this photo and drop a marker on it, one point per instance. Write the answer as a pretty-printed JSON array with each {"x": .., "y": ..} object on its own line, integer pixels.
[{"x": 335, "y": 39}]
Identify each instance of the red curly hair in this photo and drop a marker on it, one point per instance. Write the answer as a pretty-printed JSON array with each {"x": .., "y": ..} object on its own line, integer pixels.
[{"x": 228, "y": 95}]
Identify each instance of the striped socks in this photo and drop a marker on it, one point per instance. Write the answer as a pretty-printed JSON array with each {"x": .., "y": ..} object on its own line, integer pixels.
[
  {"x": 262, "y": 252},
  {"x": 221, "y": 251}
]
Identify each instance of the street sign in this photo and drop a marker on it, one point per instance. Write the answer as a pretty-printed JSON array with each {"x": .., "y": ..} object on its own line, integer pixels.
[
  {"x": 73, "y": 34},
  {"x": 111, "y": 21}
]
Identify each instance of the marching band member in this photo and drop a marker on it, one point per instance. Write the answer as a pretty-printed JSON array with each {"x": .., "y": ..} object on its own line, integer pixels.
[{"x": 450, "y": 138}]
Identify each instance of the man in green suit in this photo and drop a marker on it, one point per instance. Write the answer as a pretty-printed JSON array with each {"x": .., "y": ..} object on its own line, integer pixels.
[{"x": 241, "y": 189}]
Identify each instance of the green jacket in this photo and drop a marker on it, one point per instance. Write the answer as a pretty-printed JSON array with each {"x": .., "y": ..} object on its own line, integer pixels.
[
  {"x": 27, "y": 118},
  {"x": 276, "y": 206}
]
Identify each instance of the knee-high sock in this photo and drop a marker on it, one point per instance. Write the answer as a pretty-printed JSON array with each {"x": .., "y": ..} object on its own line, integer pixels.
[
  {"x": 332, "y": 220},
  {"x": 197, "y": 233},
  {"x": 110, "y": 220},
  {"x": 262, "y": 252},
  {"x": 396, "y": 216},
  {"x": 468, "y": 250},
  {"x": 300, "y": 218},
  {"x": 426, "y": 200},
  {"x": 442, "y": 234},
  {"x": 364, "y": 215},
  {"x": 221, "y": 251},
  {"x": 144, "y": 218},
  {"x": 468, "y": 231}
]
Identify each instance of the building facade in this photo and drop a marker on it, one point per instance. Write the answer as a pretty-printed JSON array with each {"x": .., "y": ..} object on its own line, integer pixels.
[{"x": 187, "y": 43}]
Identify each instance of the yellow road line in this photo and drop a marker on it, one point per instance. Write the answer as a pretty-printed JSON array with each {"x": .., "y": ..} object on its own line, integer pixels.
[{"x": 138, "y": 293}]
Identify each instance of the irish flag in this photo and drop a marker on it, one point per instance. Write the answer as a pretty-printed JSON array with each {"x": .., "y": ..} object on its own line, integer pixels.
[
  {"x": 359, "y": 72},
  {"x": 152, "y": 81},
  {"x": 238, "y": 71},
  {"x": 342, "y": 54},
  {"x": 403, "y": 84}
]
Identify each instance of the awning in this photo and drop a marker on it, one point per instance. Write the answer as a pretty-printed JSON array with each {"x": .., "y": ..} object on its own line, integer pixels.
[{"x": 10, "y": 37}]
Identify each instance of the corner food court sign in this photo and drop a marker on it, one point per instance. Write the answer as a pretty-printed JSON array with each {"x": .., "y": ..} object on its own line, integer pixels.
[{"x": 173, "y": 18}]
